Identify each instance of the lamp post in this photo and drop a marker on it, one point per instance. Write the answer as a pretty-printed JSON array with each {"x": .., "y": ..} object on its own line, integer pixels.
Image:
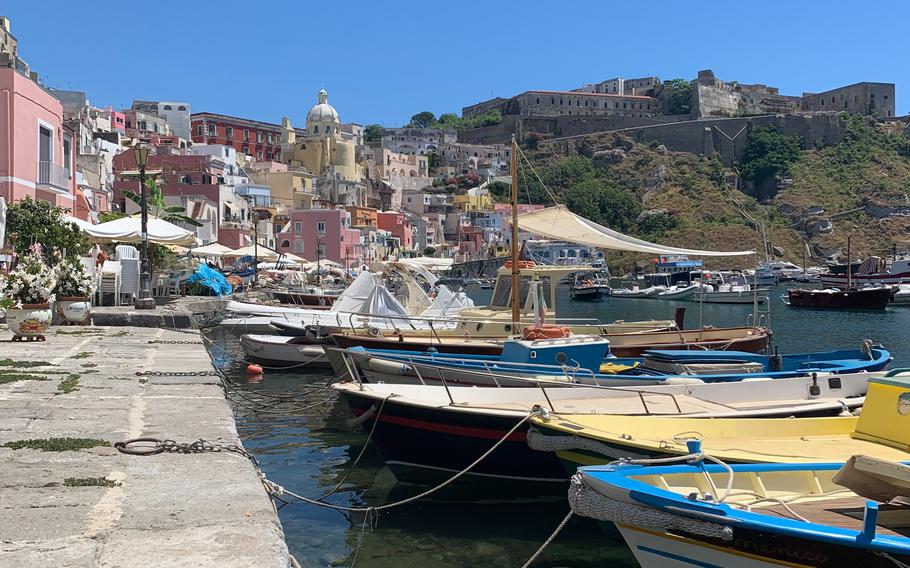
[{"x": 144, "y": 300}]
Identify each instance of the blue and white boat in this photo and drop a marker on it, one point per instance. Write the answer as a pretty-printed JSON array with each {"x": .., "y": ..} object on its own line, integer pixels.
[
  {"x": 710, "y": 515},
  {"x": 586, "y": 360}
]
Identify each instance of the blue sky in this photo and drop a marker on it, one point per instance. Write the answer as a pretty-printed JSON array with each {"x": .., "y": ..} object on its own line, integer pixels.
[{"x": 384, "y": 61}]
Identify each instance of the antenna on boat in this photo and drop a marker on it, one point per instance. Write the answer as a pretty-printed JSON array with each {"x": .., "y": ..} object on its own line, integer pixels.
[{"x": 516, "y": 315}]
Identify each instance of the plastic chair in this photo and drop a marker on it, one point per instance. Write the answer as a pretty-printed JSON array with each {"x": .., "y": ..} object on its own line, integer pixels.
[
  {"x": 127, "y": 251},
  {"x": 129, "y": 277},
  {"x": 110, "y": 281}
]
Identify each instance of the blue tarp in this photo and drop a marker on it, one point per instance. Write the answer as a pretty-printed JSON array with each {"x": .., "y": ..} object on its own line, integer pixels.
[{"x": 211, "y": 278}]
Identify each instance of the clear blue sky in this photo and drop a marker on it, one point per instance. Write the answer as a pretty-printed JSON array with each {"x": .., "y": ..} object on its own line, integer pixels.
[{"x": 384, "y": 61}]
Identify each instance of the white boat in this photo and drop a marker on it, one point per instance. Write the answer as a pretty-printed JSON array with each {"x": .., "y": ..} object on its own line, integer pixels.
[
  {"x": 735, "y": 290},
  {"x": 293, "y": 352},
  {"x": 637, "y": 292},
  {"x": 901, "y": 295},
  {"x": 772, "y": 272},
  {"x": 678, "y": 292}
]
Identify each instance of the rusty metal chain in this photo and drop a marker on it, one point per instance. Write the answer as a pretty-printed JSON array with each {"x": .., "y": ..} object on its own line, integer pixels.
[
  {"x": 174, "y": 342},
  {"x": 152, "y": 446}
]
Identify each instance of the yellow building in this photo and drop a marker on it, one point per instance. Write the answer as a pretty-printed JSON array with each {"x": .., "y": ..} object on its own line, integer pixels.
[
  {"x": 325, "y": 146},
  {"x": 473, "y": 200},
  {"x": 291, "y": 187}
]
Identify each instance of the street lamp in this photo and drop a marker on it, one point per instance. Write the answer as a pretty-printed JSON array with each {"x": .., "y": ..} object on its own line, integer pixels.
[{"x": 144, "y": 300}]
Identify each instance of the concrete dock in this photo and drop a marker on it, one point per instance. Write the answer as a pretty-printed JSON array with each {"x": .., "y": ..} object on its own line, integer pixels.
[{"x": 96, "y": 507}]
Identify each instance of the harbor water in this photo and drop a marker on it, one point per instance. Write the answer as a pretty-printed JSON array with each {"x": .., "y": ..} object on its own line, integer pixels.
[{"x": 311, "y": 450}]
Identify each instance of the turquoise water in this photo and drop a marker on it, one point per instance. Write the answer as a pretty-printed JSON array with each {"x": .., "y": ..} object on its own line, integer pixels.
[{"x": 309, "y": 451}]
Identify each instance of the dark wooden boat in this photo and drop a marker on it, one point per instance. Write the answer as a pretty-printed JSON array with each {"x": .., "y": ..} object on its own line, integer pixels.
[{"x": 864, "y": 299}]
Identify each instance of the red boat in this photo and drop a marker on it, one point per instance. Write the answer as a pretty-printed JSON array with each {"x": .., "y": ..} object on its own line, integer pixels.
[{"x": 828, "y": 299}]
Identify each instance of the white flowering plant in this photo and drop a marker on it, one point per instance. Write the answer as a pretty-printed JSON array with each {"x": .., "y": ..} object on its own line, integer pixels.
[
  {"x": 31, "y": 282},
  {"x": 73, "y": 280}
]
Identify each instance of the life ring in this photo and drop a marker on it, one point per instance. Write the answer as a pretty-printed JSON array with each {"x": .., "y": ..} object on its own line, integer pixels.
[
  {"x": 545, "y": 332},
  {"x": 374, "y": 332}
]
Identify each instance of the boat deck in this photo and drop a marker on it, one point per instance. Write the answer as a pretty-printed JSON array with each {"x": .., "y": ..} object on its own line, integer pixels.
[{"x": 847, "y": 513}]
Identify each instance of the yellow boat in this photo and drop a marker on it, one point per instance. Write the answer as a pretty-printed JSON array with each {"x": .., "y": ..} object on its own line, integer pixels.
[{"x": 882, "y": 431}]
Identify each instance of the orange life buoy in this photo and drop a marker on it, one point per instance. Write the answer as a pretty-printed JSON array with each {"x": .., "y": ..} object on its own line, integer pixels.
[{"x": 521, "y": 264}]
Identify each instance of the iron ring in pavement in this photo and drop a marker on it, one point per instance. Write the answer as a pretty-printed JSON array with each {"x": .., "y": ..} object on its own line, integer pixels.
[{"x": 125, "y": 447}]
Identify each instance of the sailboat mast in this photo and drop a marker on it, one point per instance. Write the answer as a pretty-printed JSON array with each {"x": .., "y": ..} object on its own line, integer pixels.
[
  {"x": 516, "y": 312},
  {"x": 849, "y": 266}
]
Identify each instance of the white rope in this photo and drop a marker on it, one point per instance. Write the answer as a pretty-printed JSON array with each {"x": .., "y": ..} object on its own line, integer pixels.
[
  {"x": 587, "y": 502},
  {"x": 541, "y": 442},
  {"x": 549, "y": 540}
]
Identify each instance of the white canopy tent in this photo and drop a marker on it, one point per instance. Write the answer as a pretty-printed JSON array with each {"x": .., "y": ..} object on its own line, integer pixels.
[
  {"x": 214, "y": 249},
  {"x": 83, "y": 225},
  {"x": 559, "y": 223},
  {"x": 129, "y": 230}
]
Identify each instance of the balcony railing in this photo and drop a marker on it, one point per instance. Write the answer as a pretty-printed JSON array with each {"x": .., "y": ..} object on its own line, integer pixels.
[{"x": 54, "y": 177}]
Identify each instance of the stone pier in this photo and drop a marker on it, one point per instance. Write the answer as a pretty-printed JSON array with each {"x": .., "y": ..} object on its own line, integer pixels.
[{"x": 95, "y": 507}]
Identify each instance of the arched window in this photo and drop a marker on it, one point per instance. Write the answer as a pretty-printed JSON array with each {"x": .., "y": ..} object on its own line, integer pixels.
[
  {"x": 285, "y": 244},
  {"x": 181, "y": 107},
  {"x": 315, "y": 129},
  {"x": 167, "y": 107}
]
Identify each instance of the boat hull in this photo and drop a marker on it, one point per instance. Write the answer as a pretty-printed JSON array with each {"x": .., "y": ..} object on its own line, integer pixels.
[
  {"x": 284, "y": 351},
  {"x": 589, "y": 293},
  {"x": 840, "y": 280},
  {"x": 866, "y": 299},
  {"x": 421, "y": 444}
]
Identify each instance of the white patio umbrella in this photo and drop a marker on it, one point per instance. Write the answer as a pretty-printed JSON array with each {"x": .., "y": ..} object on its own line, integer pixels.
[
  {"x": 214, "y": 249},
  {"x": 263, "y": 253},
  {"x": 129, "y": 230}
]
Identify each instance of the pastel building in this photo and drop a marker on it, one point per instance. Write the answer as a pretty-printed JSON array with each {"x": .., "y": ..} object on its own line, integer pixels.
[
  {"x": 38, "y": 152},
  {"x": 399, "y": 225},
  {"x": 326, "y": 233}
]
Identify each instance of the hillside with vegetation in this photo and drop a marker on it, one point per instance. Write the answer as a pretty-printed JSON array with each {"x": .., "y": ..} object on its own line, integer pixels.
[{"x": 805, "y": 201}]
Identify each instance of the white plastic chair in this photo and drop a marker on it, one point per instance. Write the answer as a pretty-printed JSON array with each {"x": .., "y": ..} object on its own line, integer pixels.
[
  {"x": 110, "y": 281},
  {"x": 129, "y": 277},
  {"x": 176, "y": 280},
  {"x": 88, "y": 263},
  {"x": 127, "y": 251}
]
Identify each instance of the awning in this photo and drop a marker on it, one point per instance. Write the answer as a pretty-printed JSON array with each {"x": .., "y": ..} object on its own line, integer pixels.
[
  {"x": 129, "y": 230},
  {"x": 561, "y": 224},
  {"x": 262, "y": 253}
]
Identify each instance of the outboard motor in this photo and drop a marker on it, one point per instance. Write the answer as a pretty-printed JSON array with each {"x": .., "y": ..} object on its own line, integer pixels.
[{"x": 776, "y": 360}]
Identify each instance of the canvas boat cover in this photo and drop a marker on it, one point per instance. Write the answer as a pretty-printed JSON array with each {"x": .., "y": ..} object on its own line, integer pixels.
[
  {"x": 447, "y": 302},
  {"x": 355, "y": 295},
  {"x": 561, "y": 224}
]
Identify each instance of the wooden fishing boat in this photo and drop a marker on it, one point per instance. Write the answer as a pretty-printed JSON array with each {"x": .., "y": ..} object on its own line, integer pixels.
[
  {"x": 634, "y": 344},
  {"x": 580, "y": 359},
  {"x": 832, "y": 299},
  {"x": 591, "y": 440},
  {"x": 768, "y": 515},
  {"x": 426, "y": 430}
]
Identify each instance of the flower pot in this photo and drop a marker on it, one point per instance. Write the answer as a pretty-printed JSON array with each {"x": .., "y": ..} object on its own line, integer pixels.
[
  {"x": 31, "y": 320},
  {"x": 74, "y": 309}
]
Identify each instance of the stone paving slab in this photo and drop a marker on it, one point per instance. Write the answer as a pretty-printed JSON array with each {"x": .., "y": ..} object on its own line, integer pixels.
[{"x": 166, "y": 510}]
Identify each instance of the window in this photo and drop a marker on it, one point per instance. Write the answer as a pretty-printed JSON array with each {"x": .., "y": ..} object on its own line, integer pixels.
[
  {"x": 181, "y": 107},
  {"x": 285, "y": 244},
  {"x": 211, "y": 129},
  {"x": 259, "y": 137},
  {"x": 321, "y": 249},
  {"x": 298, "y": 227},
  {"x": 229, "y": 132},
  {"x": 68, "y": 155},
  {"x": 270, "y": 139},
  {"x": 167, "y": 107},
  {"x": 199, "y": 129},
  {"x": 268, "y": 156},
  {"x": 246, "y": 135},
  {"x": 316, "y": 129}
]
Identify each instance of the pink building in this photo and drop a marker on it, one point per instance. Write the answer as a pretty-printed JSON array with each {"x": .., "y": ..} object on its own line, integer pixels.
[
  {"x": 399, "y": 225},
  {"x": 326, "y": 232},
  {"x": 37, "y": 153}
]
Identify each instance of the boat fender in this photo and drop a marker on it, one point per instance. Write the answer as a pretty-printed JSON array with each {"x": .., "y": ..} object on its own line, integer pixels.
[
  {"x": 374, "y": 332},
  {"x": 755, "y": 379},
  {"x": 682, "y": 381},
  {"x": 389, "y": 367},
  {"x": 253, "y": 369}
]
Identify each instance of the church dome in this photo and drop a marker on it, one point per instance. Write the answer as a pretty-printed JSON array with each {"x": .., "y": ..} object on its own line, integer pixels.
[{"x": 323, "y": 112}]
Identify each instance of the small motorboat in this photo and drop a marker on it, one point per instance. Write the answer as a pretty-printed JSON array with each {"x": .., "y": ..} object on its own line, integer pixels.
[
  {"x": 678, "y": 292},
  {"x": 835, "y": 299},
  {"x": 292, "y": 352},
  {"x": 636, "y": 292},
  {"x": 423, "y": 430},
  {"x": 589, "y": 286},
  {"x": 901, "y": 295},
  {"x": 849, "y": 513},
  {"x": 881, "y": 431}
]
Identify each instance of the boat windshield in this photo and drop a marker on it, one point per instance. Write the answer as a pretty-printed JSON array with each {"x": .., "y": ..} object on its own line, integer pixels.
[{"x": 502, "y": 293}]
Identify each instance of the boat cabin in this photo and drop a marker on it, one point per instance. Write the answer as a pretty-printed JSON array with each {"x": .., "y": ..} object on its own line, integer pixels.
[
  {"x": 584, "y": 351},
  {"x": 672, "y": 270},
  {"x": 547, "y": 277}
]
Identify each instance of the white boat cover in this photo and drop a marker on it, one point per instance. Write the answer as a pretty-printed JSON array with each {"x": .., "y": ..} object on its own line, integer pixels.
[
  {"x": 447, "y": 302},
  {"x": 559, "y": 223},
  {"x": 381, "y": 303},
  {"x": 295, "y": 278},
  {"x": 429, "y": 263},
  {"x": 129, "y": 230},
  {"x": 354, "y": 296}
]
